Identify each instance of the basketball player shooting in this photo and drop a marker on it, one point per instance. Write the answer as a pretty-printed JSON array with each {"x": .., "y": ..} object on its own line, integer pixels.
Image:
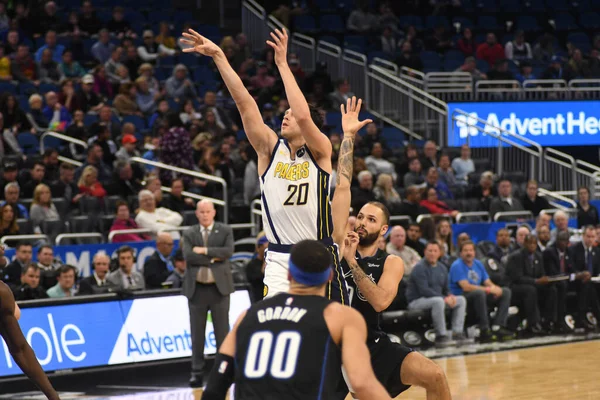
[
  {"x": 292, "y": 345},
  {"x": 294, "y": 170},
  {"x": 18, "y": 347}
]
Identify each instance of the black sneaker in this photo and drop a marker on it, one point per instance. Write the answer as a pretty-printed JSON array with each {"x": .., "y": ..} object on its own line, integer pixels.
[
  {"x": 487, "y": 336},
  {"x": 444, "y": 341},
  {"x": 462, "y": 339},
  {"x": 504, "y": 334}
]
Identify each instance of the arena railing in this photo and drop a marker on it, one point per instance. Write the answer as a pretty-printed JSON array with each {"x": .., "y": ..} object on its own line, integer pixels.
[
  {"x": 304, "y": 46},
  {"x": 555, "y": 196},
  {"x": 253, "y": 23},
  {"x": 118, "y": 232},
  {"x": 400, "y": 219},
  {"x": 331, "y": 54},
  {"x": 40, "y": 236},
  {"x": 521, "y": 155},
  {"x": 527, "y": 215},
  {"x": 413, "y": 76},
  {"x": 449, "y": 86},
  {"x": 354, "y": 68},
  {"x": 477, "y": 215},
  {"x": 504, "y": 90},
  {"x": 81, "y": 235},
  {"x": 409, "y": 107},
  {"x": 572, "y": 212},
  {"x": 380, "y": 62},
  {"x": 585, "y": 89},
  {"x": 545, "y": 89},
  {"x": 559, "y": 169}
]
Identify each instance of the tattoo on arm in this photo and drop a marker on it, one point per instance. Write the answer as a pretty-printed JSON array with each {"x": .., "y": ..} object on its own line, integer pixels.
[{"x": 345, "y": 159}]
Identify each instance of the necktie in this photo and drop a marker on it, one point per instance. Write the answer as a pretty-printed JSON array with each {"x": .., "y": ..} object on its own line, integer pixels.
[
  {"x": 562, "y": 263},
  {"x": 205, "y": 236},
  {"x": 129, "y": 281},
  {"x": 205, "y": 275},
  {"x": 590, "y": 265}
]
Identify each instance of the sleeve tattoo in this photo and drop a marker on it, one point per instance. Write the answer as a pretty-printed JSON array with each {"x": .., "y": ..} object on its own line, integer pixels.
[{"x": 345, "y": 159}]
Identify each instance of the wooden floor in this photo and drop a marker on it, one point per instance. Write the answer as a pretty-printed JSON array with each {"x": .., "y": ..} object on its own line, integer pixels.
[{"x": 560, "y": 372}]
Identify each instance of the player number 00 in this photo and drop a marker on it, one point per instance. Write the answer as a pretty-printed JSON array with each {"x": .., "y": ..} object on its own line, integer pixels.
[{"x": 282, "y": 365}]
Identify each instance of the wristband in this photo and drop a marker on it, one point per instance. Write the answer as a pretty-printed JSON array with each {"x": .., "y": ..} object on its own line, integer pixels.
[{"x": 488, "y": 289}]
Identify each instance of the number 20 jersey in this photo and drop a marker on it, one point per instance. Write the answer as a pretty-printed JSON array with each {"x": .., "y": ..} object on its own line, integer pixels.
[
  {"x": 295, "y": 197},
  {"x": 284, "y": 350}
]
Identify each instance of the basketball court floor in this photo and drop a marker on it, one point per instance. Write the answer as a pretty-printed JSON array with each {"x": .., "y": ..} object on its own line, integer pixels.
[{"x": 565, "y": 371}]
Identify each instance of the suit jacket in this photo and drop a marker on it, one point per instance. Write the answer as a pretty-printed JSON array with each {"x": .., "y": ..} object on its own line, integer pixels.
[
  {"x": 552, "y": 261},
  {"x": 155, "y": 271},
  {"x": 116, "y": 280},
  {"x": 220, "y": 246},
  {"x": 88, "y": 285},
  {"x": 498, "y": 205},
  {"x": 521, "y": 271},
  {"x": 500, "y": 255},
  {"x": 11, "y": 274},
  {"x": 579, "y": 262}
]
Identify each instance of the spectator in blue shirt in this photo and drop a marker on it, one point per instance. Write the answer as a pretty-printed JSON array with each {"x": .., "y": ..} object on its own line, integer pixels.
[
  {"x": 103, "y": 48},
  {"x": 469, "y": 278},
  {"x": 433, "y": 181},
  {"x": 66, "y": 283},
  {"x": 428, "y": 290},
  {"x": 57, "y": 49}
]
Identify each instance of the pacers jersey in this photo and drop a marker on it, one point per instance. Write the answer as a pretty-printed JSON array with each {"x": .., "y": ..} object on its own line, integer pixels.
[
  {"x": 284, "y": 351},
  {"x": 295, "y": 197},
  {"x": 373, "y": 268}
]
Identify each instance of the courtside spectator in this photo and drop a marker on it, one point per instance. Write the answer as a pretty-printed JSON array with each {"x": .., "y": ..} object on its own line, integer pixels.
[
  {"x": 176, "y": 277},
  {"x": 150, "y": 51},
  {"x": 429, "y": 155},
  {"x": 65, "y": 287},
  {"x": 414, "y": 176},
  {"x": 432, "y": 180},
  {"x": 94, "y": 159},
  {"x": 56, "y": 49},
  {"x": 518, "y": 49},
  {"x": 124, "y": 184},
  {"x": 179, "y": 86},
  {"x": 10, "y": 172},
  {"x": 397, "y": 246},
  {"x": 30, "y": 288},
  {"x": 69, "y": 67},
  {"x": 532, "y": 201},
  {"x": 159, "y": 265},
  {"x": 55, "y": 112},
  {"x": 8, "y": 223},
  {"x": 156, "y": 219},
  {"x": 543, "y": 238},
  {"x": 490, "y": 51},
  {"x": 414, "y": 238},
  {"x": 364, "y": 192},
  {"x": 410, "y": 205},
  {"x": 176, "y": 201},
  {"x": 13, "y": 271},
  {"x": 443, "y": 235},
  {"x": 561, "y": 224},
  {"x": 435, "y": 206},
  {"x": 505, "y": 201},
  {"x": 123, "y": 221},
  {"x": 36, "y": 176},
  {"x": 126, "y": 277},
  {"x": 23, "y": 67},
  {"x": 463, "y": 165},
  {"x": 48, "y": 266},
  {"x": 587, "y": 214},
  {"x": 379, "y": 165},
  {"x": 446, "y": 173},
  {"x": 96, "y": 283},
  {"x": 503, "y": 247}
]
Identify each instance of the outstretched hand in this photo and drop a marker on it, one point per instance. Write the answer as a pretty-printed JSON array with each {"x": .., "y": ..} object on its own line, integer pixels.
[
  {"x": 279, "y": 44},
  {"x": 350, "y": 122},
  {"x": 199, "y": 44}
]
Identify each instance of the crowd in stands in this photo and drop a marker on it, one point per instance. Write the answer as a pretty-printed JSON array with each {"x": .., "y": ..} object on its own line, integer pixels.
[{"x": 133, "y": 94}]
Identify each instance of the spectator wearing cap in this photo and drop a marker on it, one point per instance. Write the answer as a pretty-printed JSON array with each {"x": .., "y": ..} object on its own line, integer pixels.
[
  {"x": 525, "y": 72},
  {"x": 103, "y": 48},
  {"x": 555, "y": 70},
  {"x": 128, "y": 149},
  {"x": 156, "y": 219},
  {"x": 490, "y": 51},
  {"x": 56, "y": 49},
  {"x": 150, "y": 51},
  {"x": 123, "y": 221},
  {"x": 341, "y": 94},
  {"x": 255, "y": 269},
  {"x": 269, "y": 118},
  {"x": 86, "y": 99},
  {"x": 65, "y": 287},
  {"x": 10, "y": 172},
  {"x": 125, "y": 102},
  {"x": 176, "y": 277},
  {"x": 11, "y": 196},
  {"x": 179, "y": 87},
  {"x": 159, "y": 265}
]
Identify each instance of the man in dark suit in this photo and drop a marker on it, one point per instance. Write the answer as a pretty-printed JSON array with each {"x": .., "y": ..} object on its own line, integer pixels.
[
  {"x": 159, "y": 265},
  {"x": 557, "y": 261},
  {"x": 96, "y": 283},
  {"x": 11, "y": 275},
  {"x": 208, "y": 281},
  {"x": 530, "y": 285},
  {"x": 505, "y": 202},
  {"x": 586, "y": 262},
  {"x": 503, "y": 246}
]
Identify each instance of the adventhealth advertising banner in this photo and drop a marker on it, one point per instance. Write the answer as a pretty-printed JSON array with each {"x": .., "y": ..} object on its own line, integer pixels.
[
  {"x": 549, "y": 123},
  {"x": 115, "y": 332}
]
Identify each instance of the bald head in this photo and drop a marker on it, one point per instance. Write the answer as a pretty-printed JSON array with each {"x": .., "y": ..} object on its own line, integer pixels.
[
  {"x": 164, "y": 243},
  {"x": 398, "y": 237},
  {"x": 101, "y": 264},
  {"x": 205, "y": 212},
  {"x": 522, "y": 233}
]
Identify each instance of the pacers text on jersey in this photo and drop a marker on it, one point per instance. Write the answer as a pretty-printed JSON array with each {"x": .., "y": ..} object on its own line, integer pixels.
[
  {"x": 280, "y": 313},
  {"x": 292, "y": 172}
]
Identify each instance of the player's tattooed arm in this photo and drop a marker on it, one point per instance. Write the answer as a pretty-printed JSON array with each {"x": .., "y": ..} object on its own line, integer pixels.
[{"x": 345, "y": 160}]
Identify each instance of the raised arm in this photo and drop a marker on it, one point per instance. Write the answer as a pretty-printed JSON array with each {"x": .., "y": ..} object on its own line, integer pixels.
[
  {"x": 316, "y": 141},
  {"x": 18, "y": 346},
  {"x": 261, "y": 137},
  {"x": 340, "y": 206}
]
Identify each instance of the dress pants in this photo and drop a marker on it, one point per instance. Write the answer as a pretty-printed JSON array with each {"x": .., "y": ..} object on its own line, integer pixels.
[
  {"x": 206, "y": 298},
  {"x": 478, "y": 301}
]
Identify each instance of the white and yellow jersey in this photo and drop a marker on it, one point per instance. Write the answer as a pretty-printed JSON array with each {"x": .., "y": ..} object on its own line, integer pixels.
[{"x": 295, "y": 197}]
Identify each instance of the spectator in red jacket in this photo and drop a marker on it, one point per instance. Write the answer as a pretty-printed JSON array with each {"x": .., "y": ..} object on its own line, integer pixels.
[
  {"x": 466, "y": 44},
  {"x": 124, "y": 221},
  {"x": 490, "y": 51},
  {"x": 436, "y": 206},
  {"x": 88, "y": 183}
]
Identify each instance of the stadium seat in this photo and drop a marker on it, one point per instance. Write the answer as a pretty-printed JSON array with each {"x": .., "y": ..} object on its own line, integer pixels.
[
  {"x": 25, "y": 225},
  {"x": 61, "y": 206},
  {"x": 332, "y": 23},
  {"x": 27, "y": 88},
  {"x": 590, "y": 20},
  {"x": 486, "y": 5},
  {"x": 463, "y": 21},
  {"x": 431, "y": 61},
  {"x": 355, "y": 42},
  {"x": 487, "y": 23},
  {"x": 189, "y": 218},
  {"x": 48, "y": 87},
  {"x": 91, "y": 206},
  {"x": 80, "y": 224},
  {"x": 558, "y": 5},
  {"x": 527, "y": 23},
  {"x": 104, "y": 224},
  {"x": 580, "y": 40},
  {"x": 136, "y": 120},
  {"x": 510, "y": 6},
  {"x": 305, "y": 23},
  {"x": 110, "y": 204},
  {"x": 8, "y": 87},
  {"x": 408, "y": 20},
  {"x": 28, "y": 142},
  {"x": 393, "y": 136},
  {"x": 53, "y": 228},
  {"x": 565, "y": 22},
  {"x": 433, "y": 21},
  {"x": 536, "y": 6}
]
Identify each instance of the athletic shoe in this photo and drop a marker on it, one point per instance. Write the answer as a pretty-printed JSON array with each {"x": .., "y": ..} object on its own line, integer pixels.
[
  {"x": 444, "y": 341},
  {"x": 504, "y": 334},
  {"x": 487, "y": 336},
  {"x": 462, "y": 339}
]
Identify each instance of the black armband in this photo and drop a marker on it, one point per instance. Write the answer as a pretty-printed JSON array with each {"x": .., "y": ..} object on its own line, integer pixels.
[{"x": 220, "y": 378}]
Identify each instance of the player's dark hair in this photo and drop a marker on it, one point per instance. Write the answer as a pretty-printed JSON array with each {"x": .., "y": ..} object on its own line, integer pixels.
[
  {"x": 383, "y": 208},
  {"x": 315, "y": 115},
  {"x": 311, "y": 256}
]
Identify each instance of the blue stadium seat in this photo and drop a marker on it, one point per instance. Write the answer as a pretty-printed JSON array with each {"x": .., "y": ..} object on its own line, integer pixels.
[
  {"x": 463, "y": 21},
  {"x": 51, "y": 142},
  {"x": 305, "y": 23},
  {"x": 89, "y": 119},
  {"x": 28, "y": 142},
  {"x": 189, "y": 60},
  {"x": 537, "y": 6},
  {"x": 579, "y": 39},
  {"x": 528, "y": 23},
  {"x": 379, "y": 54},
  {"x": 209, "y": 30},
  {"x": 134, "y": 16},
  {"x": 510, "y": 6},
  {"x": 356, "y": 43},
  {"x": 407, "y": 20},
  {"x": 513, "y": 67},
  {"x": 23, "y": 101},
  {"x": 203, "y": 74},
  {"x": 330, "y": 39},
  {"x": 431, "y": 61},
  {"x": 486, "y": 5},
  {"x": 558, "y": 5},
  {"x": 565, "y": 22},
  {"x": 483, "y": 66},
  {"x": 159, "y": 16},
  {"x": 393, "y": 136},
  {"x": 8, "y": 87},
  {"x": 590, "y": 20},
  {"x": 137, "y": 121},
  {"x": 322, "y": 4},
  {"x": 346, "y": 5},
  {"x": 433, "y": 21},
  {"x": 168, "y": 61},
  {"x": 104, "y": 16},
  {"x": 581, "y": 6},
  {"x": 27, "y": 88},
  {"x": 487, "y": 23},
  {"x": 332, "y": 23},
  {"x": 48, "y": 87}
]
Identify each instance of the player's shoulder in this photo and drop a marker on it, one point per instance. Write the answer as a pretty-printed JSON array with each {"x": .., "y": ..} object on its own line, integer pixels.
[
  {"x": 393, "y": 261},
  {"x": 342, "y": 313}
]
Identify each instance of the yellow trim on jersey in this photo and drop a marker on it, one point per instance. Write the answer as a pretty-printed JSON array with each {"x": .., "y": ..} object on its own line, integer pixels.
[{"x": 338, "y": 271}]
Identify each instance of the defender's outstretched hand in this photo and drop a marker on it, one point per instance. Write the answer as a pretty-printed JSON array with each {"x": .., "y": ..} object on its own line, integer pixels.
[
  {"x": 279, "y": 44},
  {"x": 199, "y": 44},
  {"x": 350, "y": 122}
]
